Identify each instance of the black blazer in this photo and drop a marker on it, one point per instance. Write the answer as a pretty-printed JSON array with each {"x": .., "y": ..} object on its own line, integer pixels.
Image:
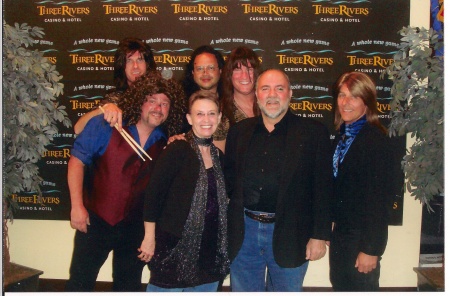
[
  {"x": 364, "y": 190},
  {"x": 303, "y": 202}
]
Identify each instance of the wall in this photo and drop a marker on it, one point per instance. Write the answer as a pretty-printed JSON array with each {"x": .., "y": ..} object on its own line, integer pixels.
[
  {"x": 47, "y": 245},
  {"x": 311, "y": 42}
]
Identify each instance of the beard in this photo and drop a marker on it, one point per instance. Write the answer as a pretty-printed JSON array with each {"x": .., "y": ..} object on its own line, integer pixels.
[
  {"x": 273, "y": 114},
  {"x": 150, "y": 119}
]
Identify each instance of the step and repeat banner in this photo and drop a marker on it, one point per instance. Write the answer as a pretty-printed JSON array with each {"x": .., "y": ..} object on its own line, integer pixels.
[{"x": 313, "y": 41}]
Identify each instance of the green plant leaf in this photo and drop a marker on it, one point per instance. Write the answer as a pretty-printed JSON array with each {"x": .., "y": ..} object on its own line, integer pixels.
[
  {"x": 31, "y": 85},
  {"x": 417, "y": 76}
]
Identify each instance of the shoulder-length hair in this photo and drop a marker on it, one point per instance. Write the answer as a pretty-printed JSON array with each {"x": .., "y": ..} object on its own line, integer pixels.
[
  {"x": 190, "y": 86},
  {"x": 241, "y": 55},
  {"x": 362, "y": 86},
  {"x": 127, "y": 47}
]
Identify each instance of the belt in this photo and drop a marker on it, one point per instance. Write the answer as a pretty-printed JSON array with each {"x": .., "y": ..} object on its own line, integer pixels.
[{"x": 263, "y": 218}]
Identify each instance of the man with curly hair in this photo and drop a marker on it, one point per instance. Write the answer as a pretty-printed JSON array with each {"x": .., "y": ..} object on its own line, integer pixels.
[{"x": 107, "y": 179}]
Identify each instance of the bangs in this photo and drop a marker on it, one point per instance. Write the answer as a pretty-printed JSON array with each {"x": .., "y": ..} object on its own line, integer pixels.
[{"x": 239, "y": 61}]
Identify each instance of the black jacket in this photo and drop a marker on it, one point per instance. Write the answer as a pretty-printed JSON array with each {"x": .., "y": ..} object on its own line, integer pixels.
[
  {"x": 303, "y": 202},
  {"x": 364, "y": 189}
]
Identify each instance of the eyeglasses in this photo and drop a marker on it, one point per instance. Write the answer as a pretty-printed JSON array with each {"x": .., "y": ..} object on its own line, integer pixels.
[{"x": 201, "y": 69}]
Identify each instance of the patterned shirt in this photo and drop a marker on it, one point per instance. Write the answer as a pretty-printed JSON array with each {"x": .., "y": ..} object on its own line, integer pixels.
[{"x": 224, "y": 125}]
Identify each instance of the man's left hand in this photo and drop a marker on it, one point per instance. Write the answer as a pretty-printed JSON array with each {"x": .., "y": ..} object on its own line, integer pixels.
[{"x": 315, "y": 249}]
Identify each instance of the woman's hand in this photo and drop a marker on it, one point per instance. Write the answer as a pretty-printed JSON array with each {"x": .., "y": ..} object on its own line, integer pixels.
[
  {"x": 147, "y": 249},
  {"x": 176, "y": 137},
  {"x": 366, "y": 263}
]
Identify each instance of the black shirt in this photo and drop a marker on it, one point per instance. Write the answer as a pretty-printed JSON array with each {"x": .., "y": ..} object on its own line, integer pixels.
[{"x": 263, "y": 166}]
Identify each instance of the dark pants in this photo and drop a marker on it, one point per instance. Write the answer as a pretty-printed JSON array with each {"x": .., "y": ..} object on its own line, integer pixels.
[
  {"x": 91, "y": 250},
  {"x": 344, "y": 249}
]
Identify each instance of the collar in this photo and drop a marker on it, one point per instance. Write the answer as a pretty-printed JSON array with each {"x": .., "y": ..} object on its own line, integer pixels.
[
  {"x": 155, "y": 136},
  {"x": 352, "y": 129},
  {"x": 281, "y": 126}
]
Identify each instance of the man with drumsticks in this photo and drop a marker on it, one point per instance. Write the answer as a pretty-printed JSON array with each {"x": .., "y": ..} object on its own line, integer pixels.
[{"x": 107, "y": 178}]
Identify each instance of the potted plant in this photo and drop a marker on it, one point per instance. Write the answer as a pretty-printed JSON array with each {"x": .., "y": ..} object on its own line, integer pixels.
[
  {"x": 417, "y": 107},
  {"x": 31, "y": 85}
]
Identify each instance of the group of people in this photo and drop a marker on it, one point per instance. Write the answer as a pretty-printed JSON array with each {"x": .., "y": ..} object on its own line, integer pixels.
[{"x": 237, "y": 183}]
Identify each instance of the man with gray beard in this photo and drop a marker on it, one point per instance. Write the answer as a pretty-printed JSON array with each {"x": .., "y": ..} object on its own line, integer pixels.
[{"x": 279, "y": 177}]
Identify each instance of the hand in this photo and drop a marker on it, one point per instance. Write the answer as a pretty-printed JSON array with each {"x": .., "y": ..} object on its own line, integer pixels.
[
  {"x": 332, "y": 228},
  {"x": 176, "y": 137},
  {"x": 147, "y": 249},
  {"x": 315, "y": 249},
  {"x": 366, "y": 263},
  {"x": 79, "y": 219},
  {"x": 113, "y": 115}
]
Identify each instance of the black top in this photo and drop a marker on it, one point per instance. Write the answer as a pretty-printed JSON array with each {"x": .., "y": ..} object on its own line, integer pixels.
[{"x": 264, "y": 164}]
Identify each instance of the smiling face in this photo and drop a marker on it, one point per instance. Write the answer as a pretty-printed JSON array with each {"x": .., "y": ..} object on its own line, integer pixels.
[
  {"x": 351, "y": 108},
  {"x": 204, "y": 117},
  {"x": 243, "y": 79},
  {"x": 155, "y": 110},
  {"x": 273, "y": 93},
  {"x": 135, "y": 66},
  {"x": 206, "y": 72}
]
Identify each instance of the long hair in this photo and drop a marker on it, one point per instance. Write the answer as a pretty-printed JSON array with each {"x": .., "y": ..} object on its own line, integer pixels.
[
  {"x": 149, "y": 84},
  {"x": 362, "y": 86},
  {"x": 190, "y": 86},
  {"x": 128, "y": 47},
  {"x": 241, "y": 55}
]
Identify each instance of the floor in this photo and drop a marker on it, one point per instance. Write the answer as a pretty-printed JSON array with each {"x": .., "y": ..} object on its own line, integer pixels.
[{"x": 49, "y": 285}]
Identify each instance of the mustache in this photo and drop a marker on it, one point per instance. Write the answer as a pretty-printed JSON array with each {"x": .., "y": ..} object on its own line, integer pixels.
[
  {"x": 155, "y": 113},
  {"x": 272, "y": 100}
]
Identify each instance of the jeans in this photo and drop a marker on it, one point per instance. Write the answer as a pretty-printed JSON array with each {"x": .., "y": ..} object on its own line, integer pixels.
[
  {"x": 209, "y": 287},
  {"x": 248, "y": 269}
]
